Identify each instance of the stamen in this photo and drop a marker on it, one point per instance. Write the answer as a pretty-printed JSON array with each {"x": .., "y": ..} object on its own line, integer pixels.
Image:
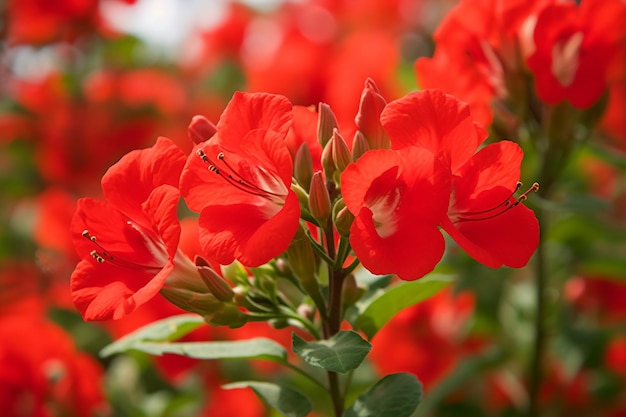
[
  {"x": 508, "y": 205},
  {"x": 102, "y": 255},
  {"x": 235, "y": 178}
]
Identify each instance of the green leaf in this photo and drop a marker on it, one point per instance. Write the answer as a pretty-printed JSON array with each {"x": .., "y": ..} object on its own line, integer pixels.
[
  {"x": 396, "y": 395},
  {"x": 287, "y": 401},
  {"x": 171, "y": 328},
  {"x": 257, "y": 348},
  {"x": 375, "y": 311},
  {"x": 341, "y": 353}
]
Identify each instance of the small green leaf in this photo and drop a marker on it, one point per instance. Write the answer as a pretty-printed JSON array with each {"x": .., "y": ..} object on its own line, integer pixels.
[
  {"x": 374, "y": 312},
  {"x": 396, "y": 395},
  {"x": 341, "y": 353},
  {"x": 287, "y": 401},
  {"x": 257, "y": 348},
  {"x": 171, "y": 328}
]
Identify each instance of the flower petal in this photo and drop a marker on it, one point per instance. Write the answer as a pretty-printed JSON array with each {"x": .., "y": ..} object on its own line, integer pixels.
[{"x": 434, "y": 120}]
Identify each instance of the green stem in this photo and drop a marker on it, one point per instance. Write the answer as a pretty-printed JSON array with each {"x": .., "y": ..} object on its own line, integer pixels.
[
  {"x": 539, "y": 342},
  {"x": 333, "y": 324}
]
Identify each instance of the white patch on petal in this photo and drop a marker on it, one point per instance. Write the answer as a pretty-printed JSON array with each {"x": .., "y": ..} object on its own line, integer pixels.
[
  {"x": 565, "y": 57},
  {"x": 383, "y": 213}
]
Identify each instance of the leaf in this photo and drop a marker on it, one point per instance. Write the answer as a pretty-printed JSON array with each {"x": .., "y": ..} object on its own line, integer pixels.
[
  {"x": 257, "y": 348},
  {"x": 341, "y": 353},
  {"x": 287, "y": 401},
  {"x": 374, "y": 312},
  {"x": 396, "y": 395},
  {"x": 171, "y": 328}
]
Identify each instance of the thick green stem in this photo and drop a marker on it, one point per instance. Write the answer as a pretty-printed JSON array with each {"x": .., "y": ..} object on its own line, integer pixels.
[{"x": 333, "y": 324}]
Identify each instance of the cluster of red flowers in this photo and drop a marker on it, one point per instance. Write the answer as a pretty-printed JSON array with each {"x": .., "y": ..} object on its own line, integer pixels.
[{"x": 393, "y": 175}]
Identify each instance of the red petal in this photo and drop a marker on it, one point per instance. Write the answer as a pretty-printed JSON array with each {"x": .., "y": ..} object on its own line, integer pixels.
[
  {"x": 249, "y": 111},
  {"x": 508, "y": 239},
  {"x": 104, "y": 291},
  {"x": 410, "y": 253},
  {"x": 434, "y": 120},
  {"x": 245, "y": 233},
  {"x": 161, "y": 208},
  {"x": 494, "y": 166},
  {"x": 127, "y": 184}
]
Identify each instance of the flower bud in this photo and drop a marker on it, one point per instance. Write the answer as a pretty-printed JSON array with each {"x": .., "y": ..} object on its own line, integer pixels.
[
  {"x": 359, "y": 145},
  {"x": 343, "y": 220},
  {"x": 229, "y": 316},
  {"x": 341, "y": 152},
  {"x": 326, "y": 124},
  {"x": 216, "y": 285},
  {"x": 328, "y": 163},
  {"x": 303, "y": 166},
  {"x": 302, "y": 259},
  {"x": 200, "y": 129},
  {"x": 195, "y": 302},
  {"x": 368, "y": 117},
  {"x": 236, "y": 273},
  {"x": 319, "y": 200},
  {"x": 351, "y": 291}
]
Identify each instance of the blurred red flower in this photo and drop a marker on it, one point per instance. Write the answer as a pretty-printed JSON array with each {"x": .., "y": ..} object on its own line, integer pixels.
[
  {"x": 43, "y": 375},
  {"x": 574, "y": 48},
  {"x": 240, "y": 180}
]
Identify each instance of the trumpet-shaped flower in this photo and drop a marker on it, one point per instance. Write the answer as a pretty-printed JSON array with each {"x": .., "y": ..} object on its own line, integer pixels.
[
  {"x": 398, "y": 198},
  {"x": 484, "y": 216},
  {"x": 240, "y": 181},
  {"x": 129, "y": 243}
]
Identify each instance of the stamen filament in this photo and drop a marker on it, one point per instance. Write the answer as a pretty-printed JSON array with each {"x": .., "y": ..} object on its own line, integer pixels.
[
  {"x": 507, "y": 203},
  {"x": 102, "y": 255},
  {"x": 234, "y": 178}
]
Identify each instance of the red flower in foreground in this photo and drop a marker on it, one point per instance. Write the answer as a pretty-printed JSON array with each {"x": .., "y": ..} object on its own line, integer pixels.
[
  {"x": 483, "y": 216},
  {"x": 398, "y": 198},
  {"x": 129, "y": 243},
  {"x": 240, "y": 180}
]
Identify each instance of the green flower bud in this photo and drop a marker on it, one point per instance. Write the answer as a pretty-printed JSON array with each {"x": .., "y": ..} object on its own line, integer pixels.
[
  {"x": 326, "y": 124},
  {"x": 303, "y": 166},
  {"x": 319, "y": 200},
  {"x": 216, "y": 285}
]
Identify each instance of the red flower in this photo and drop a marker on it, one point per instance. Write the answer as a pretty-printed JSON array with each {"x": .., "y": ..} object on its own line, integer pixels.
[
  {"x": 129, "y": 244},
  {"x": 575, "y": 47},
  {"x": 42, "y": 374},
  {"x": 240, "y": 180},
  {"x": 483, "y": 216},
  {"x": 398, "y": 198}
]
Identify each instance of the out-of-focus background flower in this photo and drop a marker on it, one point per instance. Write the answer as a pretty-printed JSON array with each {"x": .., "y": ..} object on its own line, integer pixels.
[{"x": 82, "y": 82}]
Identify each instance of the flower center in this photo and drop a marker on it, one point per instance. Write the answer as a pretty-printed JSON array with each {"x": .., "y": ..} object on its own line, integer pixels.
[
  {"x": 156, "y": 251},
  {"x": 507, "y": 204},
  {"x": 383, "y": 213},
  {"x": 258, "y": 181}
]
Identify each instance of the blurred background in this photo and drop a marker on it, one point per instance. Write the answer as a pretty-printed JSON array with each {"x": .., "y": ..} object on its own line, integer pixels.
[{"x": 82, "y": 82}]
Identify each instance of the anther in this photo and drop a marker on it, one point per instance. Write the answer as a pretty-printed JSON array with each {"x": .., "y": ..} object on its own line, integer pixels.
[{"x": 96, "y": 256}]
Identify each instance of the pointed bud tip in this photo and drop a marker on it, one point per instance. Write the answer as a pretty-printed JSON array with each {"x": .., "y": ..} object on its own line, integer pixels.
[{"x": 200, "y": 129}]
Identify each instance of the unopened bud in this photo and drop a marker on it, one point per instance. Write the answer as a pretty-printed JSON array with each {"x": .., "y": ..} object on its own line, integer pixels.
[
  {"x": 343, "y": 220},
  {"x": 200, "y": 303},
  {"x": 200, "y": 129},
  {"x": 359, "y": 146},
  {"x": 368, "y": 118},
  {"x": 326, "y": 124},
  {"x": 341, "y": 153},
  {"x": 229, "y": 316},
  {"x": 328, "y": 163},
  {"x": 236, "y": 273},
  {"x": 303, "y": 166},
  {"x": 216, "y": 285},
  {"x": 319, "y": 200},
  {"x": 306, "y": 311},
  {"x": 351, "y": 291}
]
